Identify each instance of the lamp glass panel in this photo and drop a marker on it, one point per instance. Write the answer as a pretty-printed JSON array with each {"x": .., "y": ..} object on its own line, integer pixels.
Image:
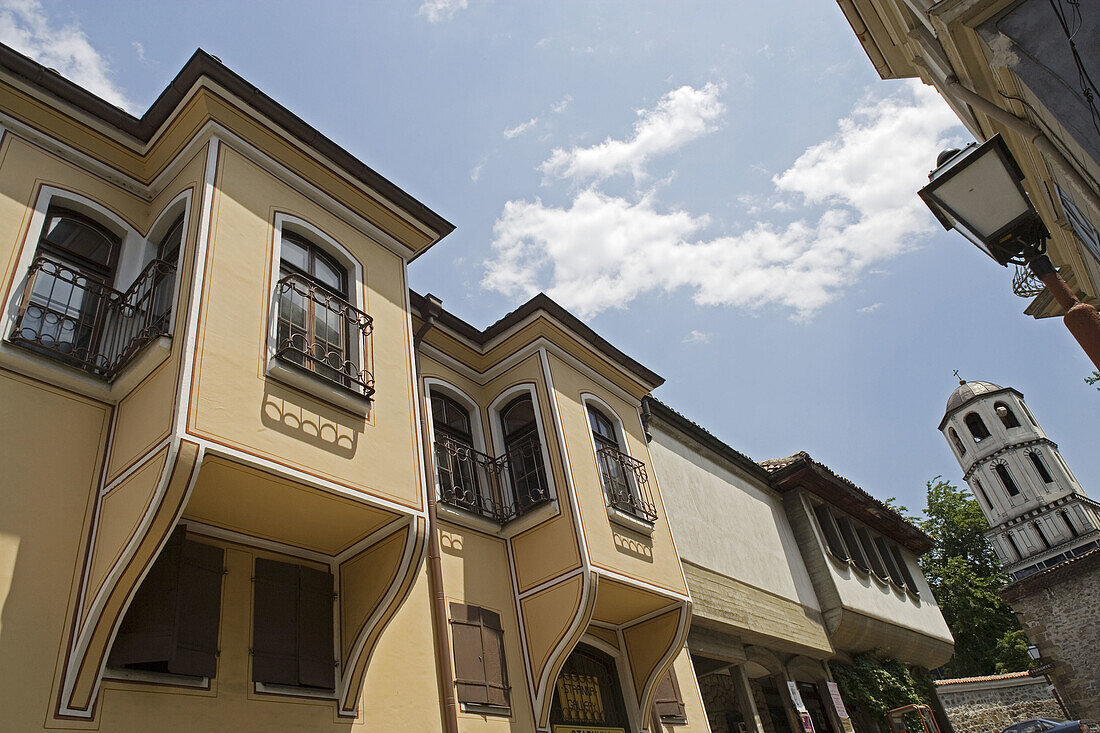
[{"x": 983, "y": 195}]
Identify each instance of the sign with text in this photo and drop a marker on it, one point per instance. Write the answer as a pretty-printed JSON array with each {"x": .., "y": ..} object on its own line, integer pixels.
[
  {"x": 807, "y": 722},
  {"x": 838, "y": 701},
  {"x": 796, "y": 697},
  {"x": 580, "y": 700},
  {"x": 585, "y": 729}
]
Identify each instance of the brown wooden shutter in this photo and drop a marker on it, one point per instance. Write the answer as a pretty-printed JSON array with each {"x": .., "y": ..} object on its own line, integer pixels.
[
  {"x": 492, "y": 648},
  {"x": 316, "y": 664},
  {"x": 275, "y": 623},
  {"x": 668, "y": 702},
  {"x": 198, "y": 610},
  {"x": 470, "y": 682},
  {"x": 147, "y": 634}
]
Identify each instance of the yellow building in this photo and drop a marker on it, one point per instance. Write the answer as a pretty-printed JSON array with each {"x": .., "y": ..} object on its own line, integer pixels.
[
  {"x": 1018, "y": 68},
  {"x": 252, "y": 483}
]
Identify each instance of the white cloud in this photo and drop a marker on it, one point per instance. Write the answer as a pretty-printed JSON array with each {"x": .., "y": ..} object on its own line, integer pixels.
[
  {"x": 437, "y": 11},
  {"x": 475, "y": 172},
  {"x": 681, "y": 116},
  {"x": 140, "y": 51},
  {"x": 602, "y": 251},
  {"x": 521, "y": 128},
  {"x": 25, "y": 27},
  {"x": 869, "y": 308},
  {"x": 696, "y": 337},
  {"x": 562, "y": 105}
]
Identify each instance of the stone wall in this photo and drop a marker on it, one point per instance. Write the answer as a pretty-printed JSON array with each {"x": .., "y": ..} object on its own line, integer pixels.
[
  {"x": 1060, "y": 608},
  {"x": 989, "y": 704},
  {"x": 720, "y": 701}
]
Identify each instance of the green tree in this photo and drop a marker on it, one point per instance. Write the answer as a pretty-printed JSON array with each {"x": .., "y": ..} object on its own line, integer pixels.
[
  {"x": 964, "y": 574},
  {"x": 875, "y": 685},
  {"x": 1093, "y": 378}
]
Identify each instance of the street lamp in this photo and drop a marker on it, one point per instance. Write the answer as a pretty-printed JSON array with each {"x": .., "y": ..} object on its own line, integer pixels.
[
  {"x": 978, "y": 192},
  {"x": 1033, "y": 652}
]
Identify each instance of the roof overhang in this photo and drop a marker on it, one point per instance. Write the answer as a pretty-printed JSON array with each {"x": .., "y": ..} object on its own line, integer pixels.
[
  {"x": 482, "y": 341},
  {"x": 805, "y": 473},
  {"x": 204, "y": 70}
]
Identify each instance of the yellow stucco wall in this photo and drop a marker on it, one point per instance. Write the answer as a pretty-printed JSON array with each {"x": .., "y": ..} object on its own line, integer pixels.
[
  {"x": 610, "y": 545},
  {"x": 49, "y": 480},
  {"x": 276, "y": 422},
  {"x": 475, "y": 572}
]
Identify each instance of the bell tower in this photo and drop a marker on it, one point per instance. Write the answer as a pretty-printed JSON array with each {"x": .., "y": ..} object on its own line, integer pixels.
[{"x": 1038, "y": 513}]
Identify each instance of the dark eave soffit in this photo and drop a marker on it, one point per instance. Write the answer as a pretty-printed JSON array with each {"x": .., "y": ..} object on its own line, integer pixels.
[{"x": 811, "y": 476}]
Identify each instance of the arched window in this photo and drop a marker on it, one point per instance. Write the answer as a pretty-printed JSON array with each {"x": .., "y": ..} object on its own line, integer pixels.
[
  {"x": 828, "y": 526},
  {"x": 959, "y": 446},
  {"x": 1072, "y": 530},
  {"x": 456, "y": 461},
  {"x": 318, "y": 327},
  {"x": 1006, "y": 479},
  {"x": 69, "y": 294},
  {"x": 1040, "y": 466},
  {"x": 981, "y": 492},
  {"x": 976, "y": 426},
  {"x": 162, "y": 280},
  {"x": 1008, "y": 417},
  {"x": 607, "y": 445},
  {"x": 619, "y": 473},
  {"x": 523, "y": 453}
]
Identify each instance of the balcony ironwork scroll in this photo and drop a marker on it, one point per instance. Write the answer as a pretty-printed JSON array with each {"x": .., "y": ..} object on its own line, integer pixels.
[
  {"x": 626, "y": 483},
  {"x": 498, "y": 488},
  {"x": 320, "y": 331},
  {"x": 85, "y": 323}
]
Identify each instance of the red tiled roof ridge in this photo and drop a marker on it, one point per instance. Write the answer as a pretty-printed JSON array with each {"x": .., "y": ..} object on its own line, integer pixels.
[{"x": 984, "y": 678}]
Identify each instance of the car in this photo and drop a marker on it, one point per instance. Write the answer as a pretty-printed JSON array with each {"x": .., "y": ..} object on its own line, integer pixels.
[{"x": 1045, "y": 725}]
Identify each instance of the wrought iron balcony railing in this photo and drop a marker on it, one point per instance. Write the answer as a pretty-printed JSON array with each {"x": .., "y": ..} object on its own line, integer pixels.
[
  {"x": 321, "y": 332},
  {"x": 501, "y": 488},
  {"x": 85, "y": 323},
  {"x": 626, "y": 483}
]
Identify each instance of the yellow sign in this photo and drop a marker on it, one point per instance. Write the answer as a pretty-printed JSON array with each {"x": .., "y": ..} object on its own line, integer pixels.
[
  {"x": 585, "y": 729},
  {"x": 580, "y": 700}
]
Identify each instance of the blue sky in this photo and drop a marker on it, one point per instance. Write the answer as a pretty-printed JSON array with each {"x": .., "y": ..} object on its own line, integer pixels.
[{"x": 726, "y": 191}]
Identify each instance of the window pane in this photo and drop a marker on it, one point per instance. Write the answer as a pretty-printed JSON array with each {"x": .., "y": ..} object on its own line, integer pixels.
[
  {"x": 518, "y": 415},
  {"x": 79, "y": 238},
  {"x": 328, "y": 275},
  {"x": 601, "y": 425},
  {"x": 295, "y": 253}
]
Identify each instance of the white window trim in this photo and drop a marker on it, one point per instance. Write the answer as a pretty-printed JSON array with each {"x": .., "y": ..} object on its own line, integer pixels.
[
  {"x": 131, "y": 241},
  {"x": 181, "y": 204},
  {"x": 615, "y": 515},
  {"x": 135, "y": 253},
  {"x": 300, "y": 378},
  {"x": 498, "y": 434},
  {"x": 296, "y": 690},
  {"x": 477, "y": 433},
  {"x": 124, "y": 674}
]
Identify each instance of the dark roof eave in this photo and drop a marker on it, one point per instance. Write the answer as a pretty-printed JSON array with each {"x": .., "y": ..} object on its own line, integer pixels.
[
  {"x": 544, "y": 303},
  {"x": 203, "y": 64},
  {"x": 703, "y": 436},
  {"x": 888, "y": 521}
]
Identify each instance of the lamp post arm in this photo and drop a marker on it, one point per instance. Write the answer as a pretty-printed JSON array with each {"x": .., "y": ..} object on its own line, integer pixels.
[
  {"x": 1082, "y": 320},
  {"x": 1028, "y": 131}
]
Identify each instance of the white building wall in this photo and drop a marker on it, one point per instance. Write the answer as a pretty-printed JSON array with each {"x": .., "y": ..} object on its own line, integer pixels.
[{"x": 727, "y": 521}]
